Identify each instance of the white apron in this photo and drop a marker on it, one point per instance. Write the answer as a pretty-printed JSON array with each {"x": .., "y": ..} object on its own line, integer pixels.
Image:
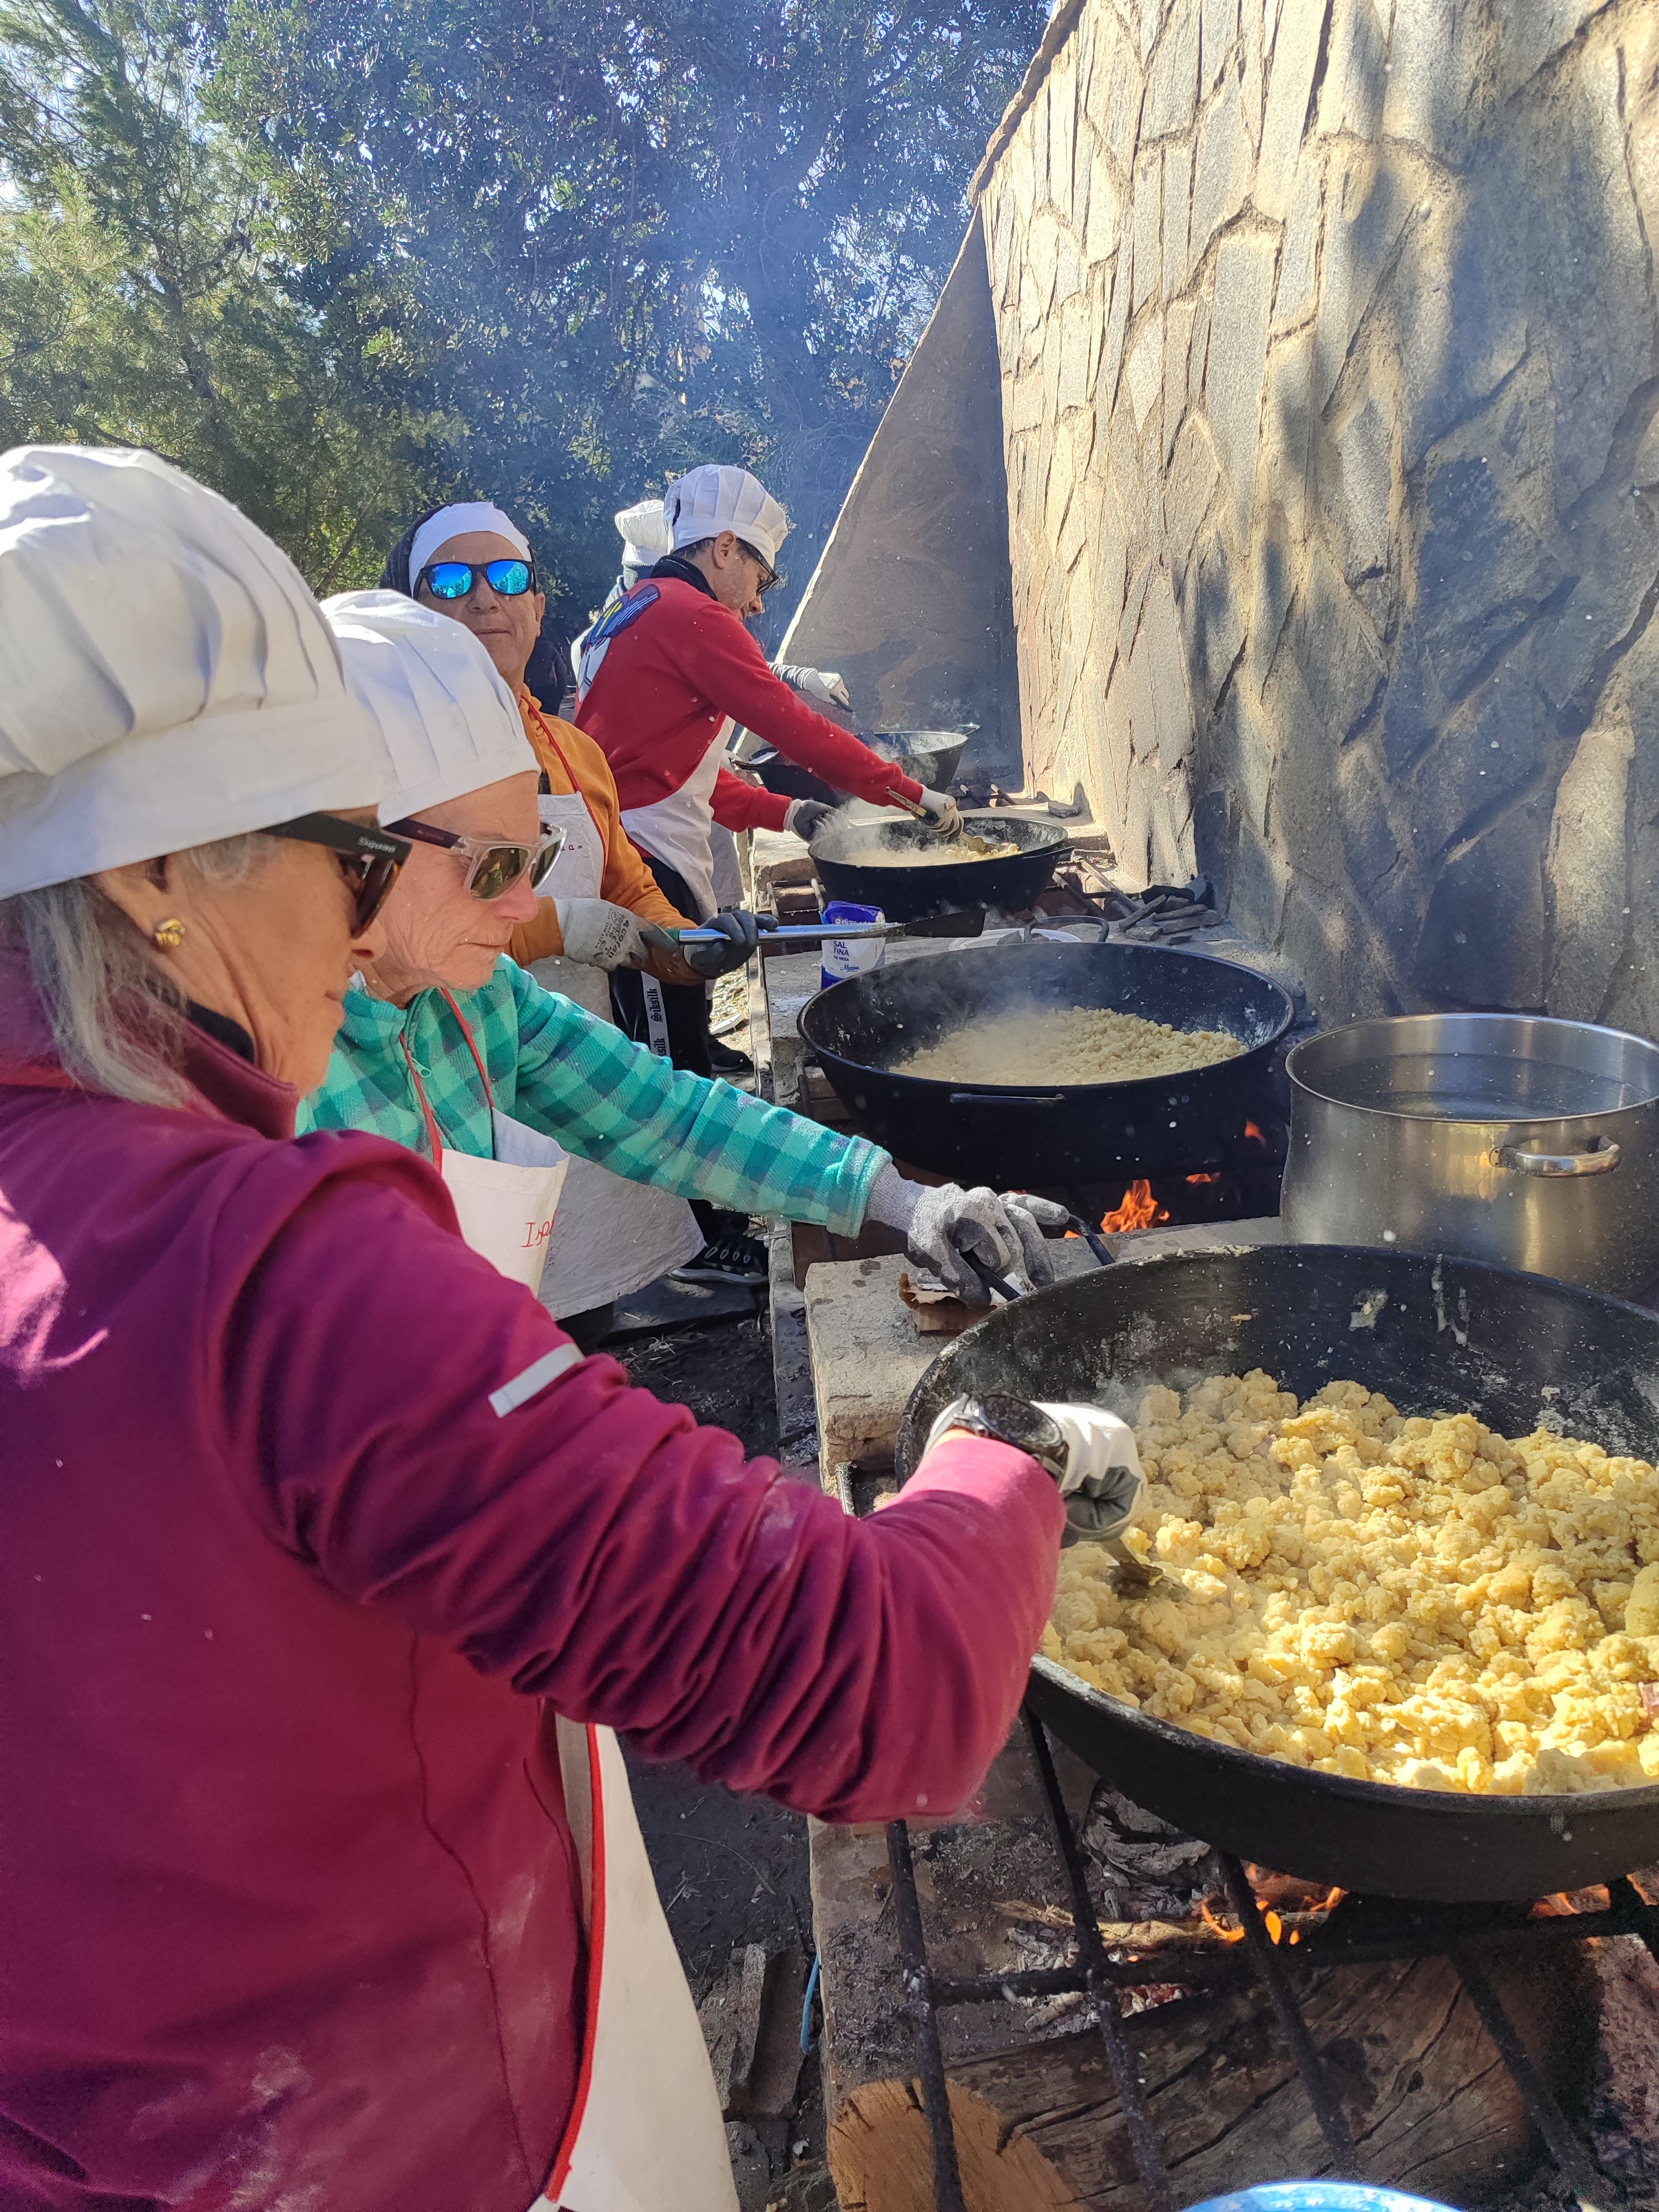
[
  {"x": 611, "y": 1236},
  {"x": 645, "y": 2133},
  {"x": 675, "y": 830},
  {"x": 506, "y": 1205}
]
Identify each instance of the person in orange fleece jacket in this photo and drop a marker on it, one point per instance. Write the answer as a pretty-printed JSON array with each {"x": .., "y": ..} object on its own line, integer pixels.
[
  {"x": 602, "y": 913},
  {"x": 601, "y": 898}
]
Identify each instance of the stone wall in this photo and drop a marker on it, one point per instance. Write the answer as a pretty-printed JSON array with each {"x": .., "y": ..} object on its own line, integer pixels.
[{"x": 1328, "y": 340}]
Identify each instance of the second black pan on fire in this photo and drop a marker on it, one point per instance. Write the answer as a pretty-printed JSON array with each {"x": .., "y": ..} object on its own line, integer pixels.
[
  {"x": 909, "y": 871},
  {"x": 1033, "y": 1132}
]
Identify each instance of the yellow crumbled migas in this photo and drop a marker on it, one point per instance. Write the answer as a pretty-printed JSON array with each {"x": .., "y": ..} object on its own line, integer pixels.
[{"x": 1414, "y": 1601}]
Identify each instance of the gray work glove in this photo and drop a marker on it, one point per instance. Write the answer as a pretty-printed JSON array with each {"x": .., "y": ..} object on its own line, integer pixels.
[
  {"x": 1104, "y": 1483},
  {"x": 741, "y": 932},
  {"x": 940, "y": 1226},
  {"x": 806, "y": 816},
  {"x": 943, "y": 812},
  {"x": 824, "y": 684},
  {"x": 601, "y": 935}
]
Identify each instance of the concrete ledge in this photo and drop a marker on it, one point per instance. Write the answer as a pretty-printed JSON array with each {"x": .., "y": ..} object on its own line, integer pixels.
[{"x": 866, "y": 1356}]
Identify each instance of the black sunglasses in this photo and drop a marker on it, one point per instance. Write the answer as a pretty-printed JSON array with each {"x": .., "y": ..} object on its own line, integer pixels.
[
  {"x": 493, "y": 864},
  {"x": 454, "y": 579},
  {"x": 769, "y": 578},
  {"x": 370, "y": 858}
]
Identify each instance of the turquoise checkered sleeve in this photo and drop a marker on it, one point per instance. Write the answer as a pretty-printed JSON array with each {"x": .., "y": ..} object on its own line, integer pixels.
[{"x": 575, "y": 1076}]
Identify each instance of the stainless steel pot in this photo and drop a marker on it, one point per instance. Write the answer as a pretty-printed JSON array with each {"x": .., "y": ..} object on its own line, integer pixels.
[{"x": 1534, "y": 1144}]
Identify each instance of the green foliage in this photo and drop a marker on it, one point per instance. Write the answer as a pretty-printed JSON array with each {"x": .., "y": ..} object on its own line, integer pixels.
[
  {"x": 343, "y": 258},
  {"x": 634, "y": 234},
  {"x": 142, "y": 300}
]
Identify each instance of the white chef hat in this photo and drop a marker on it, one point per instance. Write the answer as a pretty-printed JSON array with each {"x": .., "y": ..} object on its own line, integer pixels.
[
  {"x": 714, "y": 498},
  {"x": 166, "y": 678},
  {"x": 645, "y": 534},
  {"x": 447, "y": 723}
]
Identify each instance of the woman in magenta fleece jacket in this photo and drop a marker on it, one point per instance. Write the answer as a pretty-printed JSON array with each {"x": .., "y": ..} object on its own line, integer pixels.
[{"x": 311, "y": 1521}]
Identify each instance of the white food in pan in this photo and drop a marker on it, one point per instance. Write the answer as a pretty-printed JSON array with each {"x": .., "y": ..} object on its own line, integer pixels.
[{"x": 1053, "y": 1045}]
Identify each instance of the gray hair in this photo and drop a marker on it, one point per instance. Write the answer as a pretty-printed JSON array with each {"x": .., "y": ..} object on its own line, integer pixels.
[{"x": 116, "y": 1021}]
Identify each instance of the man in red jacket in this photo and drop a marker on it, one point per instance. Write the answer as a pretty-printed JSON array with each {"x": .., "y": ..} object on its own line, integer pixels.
[{"x": 663, "y": 676}]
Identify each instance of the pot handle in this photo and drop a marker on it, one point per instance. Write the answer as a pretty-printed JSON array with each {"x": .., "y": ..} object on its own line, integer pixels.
[
  {"x": 1601, "y": 1157},
  {"x": 1007, "y": 1098}
]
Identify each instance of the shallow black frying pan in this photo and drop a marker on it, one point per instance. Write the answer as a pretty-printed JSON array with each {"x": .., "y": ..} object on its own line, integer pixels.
[
  {"x": 1433, "y": 1334},
  {"x": 1036, "y": 1132},
  {"x": 874, "y": 862}
]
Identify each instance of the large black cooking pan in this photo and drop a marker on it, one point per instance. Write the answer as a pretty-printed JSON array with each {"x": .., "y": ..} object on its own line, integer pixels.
[
  {"x": 873, "y": 861},
  {"x": 929, "y": 756},
  {"x": 1512, "y": 1349},
  {"x": 1036, "y": 1132}
]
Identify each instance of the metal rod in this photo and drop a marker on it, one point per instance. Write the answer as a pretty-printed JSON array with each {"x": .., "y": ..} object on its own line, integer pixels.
[
  {"x": 1593, "y": 2188},
  {"x": 1265, "y": 1959},
  {"x": 1102, "y": 1998},
  {"x": 917, "y": 1990},
  {"x": 797, "y": 933},
  {"x": 1193, "y": 1966},
  {"x": 1216, "y": 1966},
  {"x": 1000, "y": 1284}
]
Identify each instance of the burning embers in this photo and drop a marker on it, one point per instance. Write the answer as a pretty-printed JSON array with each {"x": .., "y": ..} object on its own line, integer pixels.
[
  {"x": 1242, "y": 1181},
  {"x": 1287, "y": 1906}
]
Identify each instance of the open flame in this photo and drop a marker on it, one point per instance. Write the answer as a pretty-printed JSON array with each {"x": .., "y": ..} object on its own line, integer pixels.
[
  {"x": 1138, "y": 1209},
  {"x": 1253, "y": 1135},
  {"x": 1204, "y": 1178},
  {"x": 1230, "y": 1932}
]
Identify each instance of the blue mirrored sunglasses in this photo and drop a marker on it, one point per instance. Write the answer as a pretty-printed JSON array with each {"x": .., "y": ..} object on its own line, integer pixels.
[{"x": 453, "y": 580}]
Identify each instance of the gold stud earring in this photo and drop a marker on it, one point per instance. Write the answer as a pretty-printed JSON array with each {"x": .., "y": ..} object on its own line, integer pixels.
[{"x": 167, "y": 936}]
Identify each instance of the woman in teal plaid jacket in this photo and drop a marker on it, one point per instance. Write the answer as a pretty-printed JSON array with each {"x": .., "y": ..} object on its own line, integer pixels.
[{"x": 445, "y": 1027}]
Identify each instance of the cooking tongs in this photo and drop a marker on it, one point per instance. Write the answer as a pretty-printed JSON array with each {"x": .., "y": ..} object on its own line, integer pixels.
[
  {"x": 918, "y": 812},
  {"x": 958, "y": 835}
]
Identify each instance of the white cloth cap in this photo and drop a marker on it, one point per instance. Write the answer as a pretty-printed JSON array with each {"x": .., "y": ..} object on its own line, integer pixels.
[
  {"x": 166, "y": 676},
  {"x": 454, "y": 522},
  {"x": 447, "y": 720},
  {"x": 713, "y": 498},
  {"x": 645, "y": 534}
]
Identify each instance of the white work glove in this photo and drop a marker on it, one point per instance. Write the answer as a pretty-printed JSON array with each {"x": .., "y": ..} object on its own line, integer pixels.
[
  {"x": 824, "y": 684},
  {"x": 942, "y": 811},
  {"x": 740, "y": 933},
  {"x": 806, "y": 816},
  {"x": 600, "y": 935},
  {"x": 938, "y": 1226},
  {"x": 1103, "y": 1485}
]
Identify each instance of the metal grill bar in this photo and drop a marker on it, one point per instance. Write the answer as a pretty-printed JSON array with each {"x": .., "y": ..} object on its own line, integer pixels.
[
  {"x": 1641, "y": 1919},
  {"x": 919, "y": 1995},
  {"x": 1264, "y": 1957},
  {"x": 1102, "y": 1998},
  {"x": 1593, "y": 2188},
  {"x": 1422, "y": 1937}
]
